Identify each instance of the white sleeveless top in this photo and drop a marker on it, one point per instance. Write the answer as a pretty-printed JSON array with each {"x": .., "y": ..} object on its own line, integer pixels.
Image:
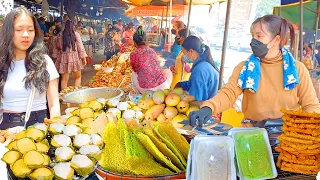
[{"x": 16, "y": 96}]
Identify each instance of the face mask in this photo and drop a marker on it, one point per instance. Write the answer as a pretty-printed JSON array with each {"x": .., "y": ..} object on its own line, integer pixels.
[
  {"x": 187, "y": 60},
  {"x": 173, "y": 31},
  {"x": 258, "y": 48},
  {"x": 316, "y": 51}
]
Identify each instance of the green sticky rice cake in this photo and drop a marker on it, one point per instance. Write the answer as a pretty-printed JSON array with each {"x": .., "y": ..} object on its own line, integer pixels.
[{"x": 253, "y": 156}]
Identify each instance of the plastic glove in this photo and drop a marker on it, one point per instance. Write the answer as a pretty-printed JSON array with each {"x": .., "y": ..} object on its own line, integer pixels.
[{"x": 200, "y": 117}]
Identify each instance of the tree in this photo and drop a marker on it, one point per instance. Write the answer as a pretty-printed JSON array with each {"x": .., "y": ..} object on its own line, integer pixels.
[{"x": 265, "y": 7}]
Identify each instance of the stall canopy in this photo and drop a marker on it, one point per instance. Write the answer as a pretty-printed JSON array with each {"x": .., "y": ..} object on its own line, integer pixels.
[
  {"x": 177, "y": 10},
  {"x": 164, "y": 2},
  {"x": 286, "y": 2},
  {"x": 291, "y": 12}
]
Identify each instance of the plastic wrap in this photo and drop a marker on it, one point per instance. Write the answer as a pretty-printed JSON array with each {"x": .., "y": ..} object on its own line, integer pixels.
[
  {"x": 211, "y": 157},
  {"x": 253, "y": 154}
]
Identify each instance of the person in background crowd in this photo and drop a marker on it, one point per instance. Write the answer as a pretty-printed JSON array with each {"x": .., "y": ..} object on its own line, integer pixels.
[
  {"x": 147, "y": 75},
  {"x": 53, "y": 40},
  {"x": 128, "y": 35},
  {"x": 270, "y": 79},
  {"x": 70, "y": 55},
  {"x": 119, "y": 25},
  {"x": 306, "y": 50},
  {"x": 181, "y": 69},
  {"x": 318, "y": 55},
  {"x": 204, "y": 80},
  {"x": 24, "y": 68},
  {"x": 109, "y": 26},
  {"x": 43, "y": 27},
  {"x": 124, "y": 45},
  {"x": 175, "y": 48},
  {"x": 111, "y": 40}
]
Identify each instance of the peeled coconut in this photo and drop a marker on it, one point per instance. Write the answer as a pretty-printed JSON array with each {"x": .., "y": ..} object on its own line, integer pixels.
[
  {"x": 96, "y": 139},
  {"x": 122, "y": 106},
  {"x": 63, "y": 171},
  {"x": 56, "y": 128},
  {"x": 71, "y": 130},
  {"x": 81, "y": 140},
  {"x": 92, "y": 151},
  {"x": 41, "y": 126},
  {"x": 129, "y": 114},
  {"x": 114, "y": 111},
  {"x": 63, "y": 154},
  {"x": 82, "y": 164},
  {"x": 60, "y": 140},
  {"x": 113, "y": 103}
]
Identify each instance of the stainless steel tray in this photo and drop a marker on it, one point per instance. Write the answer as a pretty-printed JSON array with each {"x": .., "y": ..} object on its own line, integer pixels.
[{"x": 84, "y": 95}]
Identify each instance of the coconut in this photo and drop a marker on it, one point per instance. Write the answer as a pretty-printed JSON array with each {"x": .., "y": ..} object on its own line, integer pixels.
[
  {"x": 96, "y": 139},
  {"x": 56, "y": 127},
  {"x": 61, "y": 140},
  {"x": 41, "y": 126},
  {"x": 81, "y": 140},
  {"x": 82, "y": 164},
  {"x": 63, "y": 170},
  {"x": 89, "y": 149},
  {"x": 114, "y": 111},
  {"x": 71, "y": 130},
  {"x": 64, "y": 154}
]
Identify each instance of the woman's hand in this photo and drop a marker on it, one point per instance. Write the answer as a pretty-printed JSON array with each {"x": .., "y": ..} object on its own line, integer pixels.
[
  {"x": 173, "y": 70},
  {"x": 196, "y": 103},
  {"x": 84, "y": 61}
]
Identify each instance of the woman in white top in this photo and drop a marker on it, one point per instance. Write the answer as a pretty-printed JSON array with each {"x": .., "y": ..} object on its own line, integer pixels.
[{"x": 23, "y": 65}]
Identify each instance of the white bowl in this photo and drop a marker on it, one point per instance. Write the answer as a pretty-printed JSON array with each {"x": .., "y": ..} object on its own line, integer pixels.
[{"x": 108, "y": 69}]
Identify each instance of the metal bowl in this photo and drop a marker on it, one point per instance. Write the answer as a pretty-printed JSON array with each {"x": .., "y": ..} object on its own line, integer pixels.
[{"x": 84, "y": 95}]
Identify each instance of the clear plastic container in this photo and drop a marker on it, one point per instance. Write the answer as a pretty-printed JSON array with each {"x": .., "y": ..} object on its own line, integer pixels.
[
  {"x": 254, "y": 155},
  {"x": 211, "y": 157}
]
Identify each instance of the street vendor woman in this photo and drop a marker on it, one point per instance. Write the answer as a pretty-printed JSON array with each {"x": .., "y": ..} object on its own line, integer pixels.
[
  {"x": 204, "y": 80},
  {"x": 270, "y": 79},
  {"x": 25, "y": 68},
  {"x": 148, "y": 74}
]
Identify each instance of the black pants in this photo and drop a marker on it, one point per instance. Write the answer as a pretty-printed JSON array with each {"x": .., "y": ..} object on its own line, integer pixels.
[{"x": 11, "y": 120}]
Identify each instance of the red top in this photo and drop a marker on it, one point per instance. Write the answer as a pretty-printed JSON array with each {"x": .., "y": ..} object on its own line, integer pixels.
[{"x": 145, "y": 63}]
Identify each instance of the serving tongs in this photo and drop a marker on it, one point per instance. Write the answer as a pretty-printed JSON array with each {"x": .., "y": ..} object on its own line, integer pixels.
[{"x": 211, "y": 128}]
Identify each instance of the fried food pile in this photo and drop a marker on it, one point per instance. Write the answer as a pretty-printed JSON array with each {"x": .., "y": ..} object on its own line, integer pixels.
[
  {"x": 300, "y": 144},
  {"x": 113, "y": 79}
]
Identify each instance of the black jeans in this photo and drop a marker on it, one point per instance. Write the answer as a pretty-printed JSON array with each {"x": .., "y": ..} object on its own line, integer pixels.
[{"x": 11, "y": 120}]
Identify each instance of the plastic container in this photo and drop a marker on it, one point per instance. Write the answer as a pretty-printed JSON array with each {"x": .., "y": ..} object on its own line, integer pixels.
[
  {"x": 253, "y": 154},
  {"x": 213, "y": 156}
]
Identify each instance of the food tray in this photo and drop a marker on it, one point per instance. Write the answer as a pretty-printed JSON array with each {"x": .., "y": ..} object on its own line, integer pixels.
[
  {"x": 115, "y": 176},
  {"x": 84, "y": 95}
]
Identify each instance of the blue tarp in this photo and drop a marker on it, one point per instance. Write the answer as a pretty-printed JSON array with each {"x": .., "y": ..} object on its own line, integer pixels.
[{"x": 286, "y": 2}]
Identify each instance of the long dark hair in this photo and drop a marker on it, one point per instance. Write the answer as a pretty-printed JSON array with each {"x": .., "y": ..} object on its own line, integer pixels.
[
  {"x": 276, "y": 25},
  {"x": 68, "y": 37},
  {"x": 35, "y": 62},
  {"x": 194, "y": 43}
]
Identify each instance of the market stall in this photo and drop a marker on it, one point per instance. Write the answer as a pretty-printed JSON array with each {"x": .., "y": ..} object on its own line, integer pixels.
[{"x": 119, "y": 139}]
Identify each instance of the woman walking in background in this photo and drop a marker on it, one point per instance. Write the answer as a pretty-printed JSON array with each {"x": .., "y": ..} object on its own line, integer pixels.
[{"x": 70, "y": 55}]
